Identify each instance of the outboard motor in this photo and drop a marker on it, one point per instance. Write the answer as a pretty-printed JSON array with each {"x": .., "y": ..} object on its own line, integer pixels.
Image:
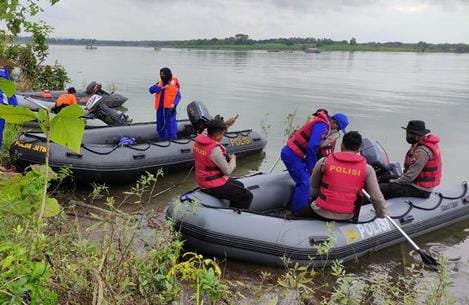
[
  {"x": 377, "y": 157},
  {"x": 98, "y": 109},
  {"x": 95, "y": 88},
  {"x": 198, "y": 115}
]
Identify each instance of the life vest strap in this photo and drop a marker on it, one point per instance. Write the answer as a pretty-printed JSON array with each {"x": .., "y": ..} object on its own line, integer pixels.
[
  {"x": 424, "y": 179},
  {"x": 214, "y": 177},
  {"x": 300, "y": 147}
]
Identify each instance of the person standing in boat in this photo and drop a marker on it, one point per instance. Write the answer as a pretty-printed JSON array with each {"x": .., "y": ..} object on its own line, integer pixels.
[
  {"x": 5, "y": 100},
  {"x": 422, "y": 165},
  {"x": 213, "y": 167},
  {"x": 301, "y": 152},
  {"x": 340, "y": 177},
  {"x": 167, "y": 97},
  {"x": 66, "y": 99}
]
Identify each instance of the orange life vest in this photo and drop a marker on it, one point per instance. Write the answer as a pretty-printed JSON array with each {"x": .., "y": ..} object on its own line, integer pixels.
[
  {"x": 430, "y": 176},
  {"x": 207, "y": 174},
  {"x": 299, "y": 141},
  {"x": 343, "y": 178},
  {"x": 169, "y": 93},
  {"x": 66, "y": 100}
]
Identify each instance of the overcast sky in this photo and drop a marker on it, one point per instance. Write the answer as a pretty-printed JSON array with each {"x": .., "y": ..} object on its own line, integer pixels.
[{"x": 367, "y": 20}]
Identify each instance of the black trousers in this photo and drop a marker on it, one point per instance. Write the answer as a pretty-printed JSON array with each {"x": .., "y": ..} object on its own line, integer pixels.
[
  {"x": 306, "y": 212},
  {"x": 234, "y": 191},
  {"x": 394, "y": 190}
]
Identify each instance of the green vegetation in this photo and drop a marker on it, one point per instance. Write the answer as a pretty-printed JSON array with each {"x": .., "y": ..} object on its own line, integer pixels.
[
  {"x": 10, "y": 133},
  {"x": 27, "y": 61},
  {"x": 63, "y": 261},
  {"x": 243, "y": 42}
]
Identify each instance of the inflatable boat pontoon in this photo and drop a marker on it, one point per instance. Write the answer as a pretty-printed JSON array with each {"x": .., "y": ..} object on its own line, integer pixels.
[
  {"x": 48, "y": 100},
  {"x": 267, "y": 232},
  {"x": 102, "y": 159}
]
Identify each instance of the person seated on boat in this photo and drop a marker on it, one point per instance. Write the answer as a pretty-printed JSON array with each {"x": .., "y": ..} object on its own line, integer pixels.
[
  {"x": 300, "y": 154},
  {"x": 65, "y": 100},
  {"x": 213, "y": 167},
  {"x": 167, "y": 96},
  {"x": 422, "y": 165},
  {"x": 340, "y": 177}
]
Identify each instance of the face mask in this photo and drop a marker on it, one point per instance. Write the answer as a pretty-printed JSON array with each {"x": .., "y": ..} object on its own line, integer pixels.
[{"x": 411, "y": 139}]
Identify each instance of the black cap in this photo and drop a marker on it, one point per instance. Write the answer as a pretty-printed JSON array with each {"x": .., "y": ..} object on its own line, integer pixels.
[
  {"x": 215, "y": 125},
  {"x": 417, "y": 127}
]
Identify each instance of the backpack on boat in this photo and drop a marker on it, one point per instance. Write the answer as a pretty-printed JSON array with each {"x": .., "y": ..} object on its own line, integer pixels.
[{"x": 127, "y": 141}]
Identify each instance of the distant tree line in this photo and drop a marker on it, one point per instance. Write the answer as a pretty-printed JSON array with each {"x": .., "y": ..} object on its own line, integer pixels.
[{"x": 240, "y": 40}]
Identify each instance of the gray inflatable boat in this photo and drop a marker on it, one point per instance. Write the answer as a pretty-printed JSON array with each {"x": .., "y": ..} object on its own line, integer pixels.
[
  {"x": 102, "y": 158},
  {"x": 267, "y": 232},
  {"x": 48, "y": 100}
]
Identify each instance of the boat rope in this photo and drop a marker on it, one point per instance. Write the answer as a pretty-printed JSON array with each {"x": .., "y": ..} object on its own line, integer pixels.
[
  {"x": 235, "y": 134},
  {"x": 412, "y": 205},
  {"x": 136, "y": 147},
  {"x": 184, "y": 197},
  {"x": 99, "y": 152}
]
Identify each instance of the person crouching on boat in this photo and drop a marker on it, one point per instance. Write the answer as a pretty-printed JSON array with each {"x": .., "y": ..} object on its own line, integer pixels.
[
  {"x": 340, "y": 177},
  {"x": 167, "y": 97},
  {"x": 65, "y": 100},
  {"x": 300, "y": 154},
  {"x": 422, "y": 165},
  {"x": 213, "y": 167}
]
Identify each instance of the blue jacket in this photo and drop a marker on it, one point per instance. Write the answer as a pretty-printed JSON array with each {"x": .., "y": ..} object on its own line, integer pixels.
[{"x": 314, "y": 143}]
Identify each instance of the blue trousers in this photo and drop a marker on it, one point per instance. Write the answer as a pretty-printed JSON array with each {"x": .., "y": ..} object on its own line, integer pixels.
[
  {"x": 166, "y": 125},
  {"x": 2, "y": 125},
  {"x": 299, "y": 172}
]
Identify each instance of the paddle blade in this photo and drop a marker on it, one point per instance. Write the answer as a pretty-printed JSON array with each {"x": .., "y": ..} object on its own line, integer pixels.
[{"x": 427, "y": 258}]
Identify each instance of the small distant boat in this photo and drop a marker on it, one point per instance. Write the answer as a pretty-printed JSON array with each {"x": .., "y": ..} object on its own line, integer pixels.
[
  {"x": 156, "y": 48},
  {"x": 312, "y": 50},
  {"x": 91, "y": 47},
  {"x": 273, "y": 50}
]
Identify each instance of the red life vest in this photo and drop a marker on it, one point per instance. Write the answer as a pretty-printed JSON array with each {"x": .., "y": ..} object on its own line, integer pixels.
[
  {"x": 430, "y": 176},
  {"x": 298, "y": 142},
  {"x": 207, "y": 174},
  {"x": 343, "y": 178},
  {"x": 169, "y": 92}
]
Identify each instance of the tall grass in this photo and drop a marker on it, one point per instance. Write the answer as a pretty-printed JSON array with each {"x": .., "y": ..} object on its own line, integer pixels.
[{"x": 10, "y": 133}]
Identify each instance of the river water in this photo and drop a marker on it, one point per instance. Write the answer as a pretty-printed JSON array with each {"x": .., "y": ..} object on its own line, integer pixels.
[{"x": 379, "y": 92}]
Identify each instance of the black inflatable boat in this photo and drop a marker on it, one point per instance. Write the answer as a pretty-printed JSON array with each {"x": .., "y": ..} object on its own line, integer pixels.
[{"x": 102, "y": 158}]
